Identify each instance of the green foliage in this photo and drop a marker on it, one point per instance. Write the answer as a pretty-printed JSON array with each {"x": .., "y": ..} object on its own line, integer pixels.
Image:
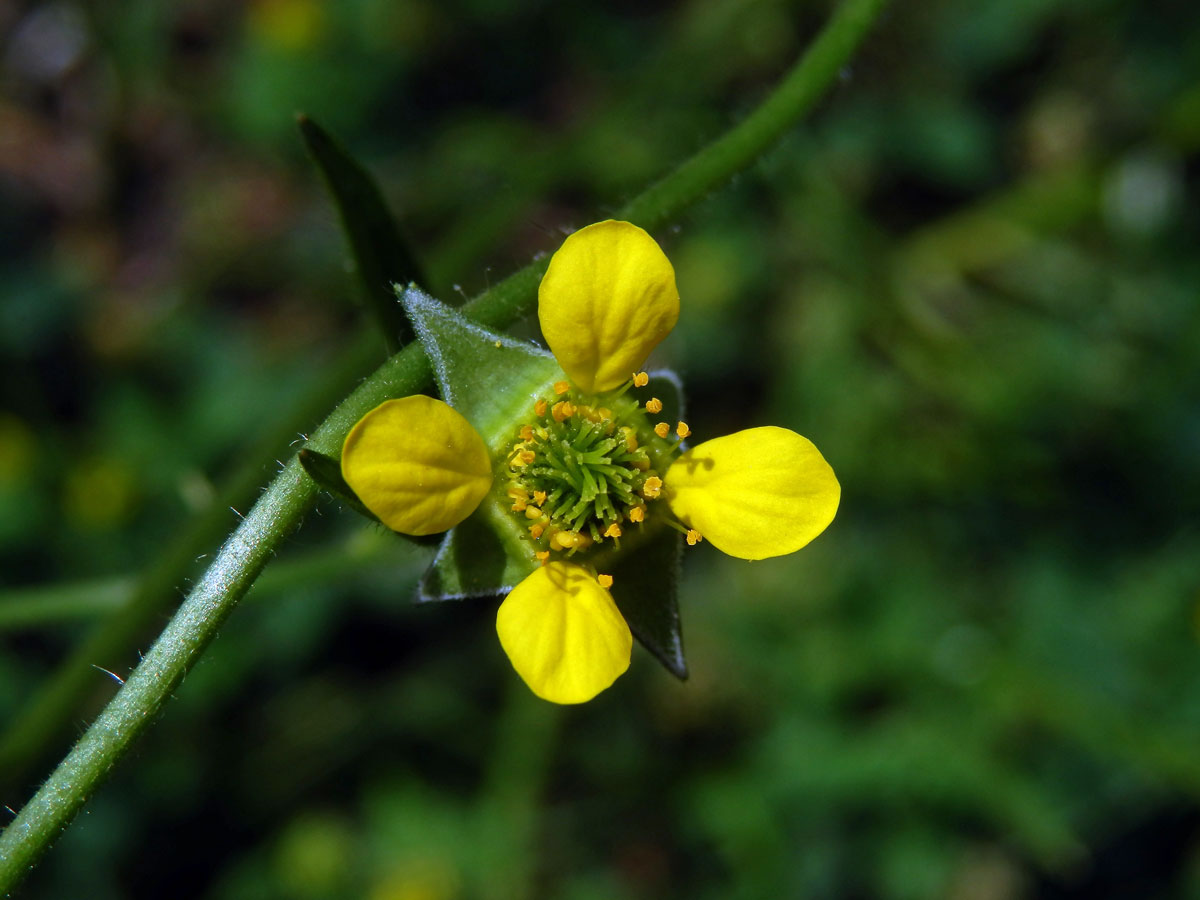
[
  {"x": 970, "y": 279},
  {"x": 381, "y": 258}
]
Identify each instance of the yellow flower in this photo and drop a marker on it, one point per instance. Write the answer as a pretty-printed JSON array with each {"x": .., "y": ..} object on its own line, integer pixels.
[
  {"x": 563, "y": 633},
  {"x": 589, "y": 467},
  {"x": 417, "y": 464},
  {"x": 607, "y": 299}
]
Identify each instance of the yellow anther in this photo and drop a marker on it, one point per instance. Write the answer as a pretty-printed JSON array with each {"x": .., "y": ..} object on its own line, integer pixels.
[
  {"x": 527, "y": 432},
  {"x": 519, "y": 504},
  {"x": 613, "y": 531},
  {"x": 543, "y": 555},
  {"x": 515, "y": 490},
  {"x": 539, "y": 408},
  {"x": 606, "y": 581},
  {"x": 652, "y": 487},
  {"x": 561, "y": 387},
  {"x": 498, "y": 345},
  {"x": 682, "y": 430},
  {"x": 604, "y": 412},
  {"x": 654, "y": 405},
  {"x": 539, "y": 497},
  {"x": 693, "y": 537},
  {"x": 525, "y": 457},
  {"x": 532, "y": 512},
  {"x": 630, "y": 436},
  {"x": 565, "y": 540},
  {"x": 562, "y": 410},
  {"x": 640, "y": 379},
  {"x": 637, "y": 514},
  {"x": 535, "y": 531},
  {"x": 662, "y": 429}
]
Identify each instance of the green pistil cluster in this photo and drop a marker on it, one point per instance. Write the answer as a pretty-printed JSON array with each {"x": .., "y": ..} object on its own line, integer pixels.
[{"x": 579, "y": 472}]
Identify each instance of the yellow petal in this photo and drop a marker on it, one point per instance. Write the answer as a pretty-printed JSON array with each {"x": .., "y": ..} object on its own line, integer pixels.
[
  {"x": 606, "y": 301},
  {"x": 417, "y": 464},
  {"x": 563, "y": 634},
  {"x": 756, "y": 493}
]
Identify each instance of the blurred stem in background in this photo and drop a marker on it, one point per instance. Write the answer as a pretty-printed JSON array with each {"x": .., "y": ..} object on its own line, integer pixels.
[
  {"x": 289, "y": 497},
  {"x": 526, "y": 730},
  {"x": 367, "y": 550}
]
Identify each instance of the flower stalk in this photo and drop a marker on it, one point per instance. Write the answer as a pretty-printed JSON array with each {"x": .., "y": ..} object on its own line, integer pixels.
[{"x": 292, "y": 493}]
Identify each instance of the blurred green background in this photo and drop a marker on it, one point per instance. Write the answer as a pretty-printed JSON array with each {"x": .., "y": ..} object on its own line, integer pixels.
[{"x": 971, "y": 277}]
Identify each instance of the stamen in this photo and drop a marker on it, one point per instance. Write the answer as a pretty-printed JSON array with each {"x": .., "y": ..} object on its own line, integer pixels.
[
  {"x": 682, "y": 430},
  {"x": 542, "y": 556},
  {"x": 694, "y": 537},
  {"x": 606, "y": 581},
  {"x": 662, "y": 429},
  {"x": 654, "y": 406},
  {"x": 640, "y": 379},
  {"x": 579, "y": 472},
  {"x": 566, "y": 540}
]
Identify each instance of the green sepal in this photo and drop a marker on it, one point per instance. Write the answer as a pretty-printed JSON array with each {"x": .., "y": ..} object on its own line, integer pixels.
[
  {"x": 479, "y": 557},
  {"x": 327, "y": 473},
  {"x": 492, "y": 379},
  {"x": 646, "y": 589},
  {"x": 381, "y": 256}
]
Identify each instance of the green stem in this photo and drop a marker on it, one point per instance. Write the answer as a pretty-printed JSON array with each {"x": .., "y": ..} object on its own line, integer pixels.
[
  {"x": 43, "y": 718},
  {"x": 802, "y": 87},
  {"x": 281, "y": 508}
]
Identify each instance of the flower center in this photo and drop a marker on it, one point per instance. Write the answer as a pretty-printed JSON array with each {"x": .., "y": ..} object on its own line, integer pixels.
[{"x": 583, "y": 467}]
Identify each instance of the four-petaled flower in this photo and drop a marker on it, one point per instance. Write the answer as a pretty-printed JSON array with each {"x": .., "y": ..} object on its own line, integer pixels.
[{"x": 588, "y": 466}]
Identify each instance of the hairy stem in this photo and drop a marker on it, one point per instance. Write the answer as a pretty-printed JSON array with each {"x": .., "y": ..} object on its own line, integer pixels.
[
  {"x": 291, "y": 494},
  {"x": 49, "y": 711}
]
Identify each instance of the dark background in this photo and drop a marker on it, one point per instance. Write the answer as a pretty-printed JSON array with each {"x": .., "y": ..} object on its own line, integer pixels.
[{"x": 971, "y": 277}]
